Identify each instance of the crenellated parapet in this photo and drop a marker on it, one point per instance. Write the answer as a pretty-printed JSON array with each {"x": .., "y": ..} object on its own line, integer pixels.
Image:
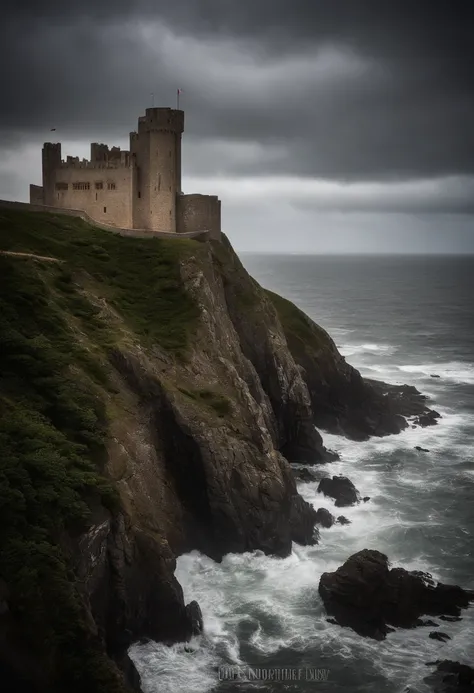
[
  {"x": 139, "y": 188},
  {"x": 75, "y": 162},
  {"x": 167, "y": 120}
]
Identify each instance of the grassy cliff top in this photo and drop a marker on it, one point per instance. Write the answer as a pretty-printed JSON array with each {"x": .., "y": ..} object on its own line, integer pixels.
[
  {"x": 139, "y": 277},
  {"x": 302, "y": 334}
]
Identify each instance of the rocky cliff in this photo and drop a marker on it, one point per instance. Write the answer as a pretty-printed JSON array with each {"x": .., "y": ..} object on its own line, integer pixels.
[{"x": 153, "y": 397}]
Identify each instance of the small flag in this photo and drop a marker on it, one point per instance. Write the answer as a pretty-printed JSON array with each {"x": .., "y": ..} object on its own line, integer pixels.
[{"x": 180, "y": 91}]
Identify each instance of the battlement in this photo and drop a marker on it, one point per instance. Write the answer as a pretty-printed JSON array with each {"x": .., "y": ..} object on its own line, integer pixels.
[
  {"x": 101, "y": 157},
  {"x": 52, "y": 147},
  {"x": 75, "y": 162},
  {"x": 161, "y": 120}
]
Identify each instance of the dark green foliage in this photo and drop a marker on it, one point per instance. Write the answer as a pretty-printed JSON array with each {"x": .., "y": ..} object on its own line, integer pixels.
[
  {"x": 217, "y": 402},
  {"x": 54, "y": 375},
  {"x": 52, "y": 430},
  {"x": 139, "y": 277},
  {"x": 297, "y": 326}
]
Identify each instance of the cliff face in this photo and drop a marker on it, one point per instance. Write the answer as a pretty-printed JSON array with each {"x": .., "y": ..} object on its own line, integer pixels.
[
  {"x": 169, "y": 393},
  {"x": 342, "y": 401}
]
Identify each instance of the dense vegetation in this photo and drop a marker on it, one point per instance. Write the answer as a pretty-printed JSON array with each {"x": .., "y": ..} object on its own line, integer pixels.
[
  {"x": 52, "y": 427},
  {"x": 138, "y": 277}
]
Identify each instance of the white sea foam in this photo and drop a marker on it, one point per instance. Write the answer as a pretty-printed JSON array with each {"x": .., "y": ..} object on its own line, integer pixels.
[
  {"x": 367, "y": 348},
  {"x": 454, "y": 371}
]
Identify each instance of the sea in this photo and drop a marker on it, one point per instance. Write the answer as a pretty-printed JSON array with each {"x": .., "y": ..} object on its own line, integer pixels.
[{"x": 401, "y": 319}]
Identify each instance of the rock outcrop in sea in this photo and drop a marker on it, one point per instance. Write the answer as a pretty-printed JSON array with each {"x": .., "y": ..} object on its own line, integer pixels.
[{"x": 368, "y": 596}]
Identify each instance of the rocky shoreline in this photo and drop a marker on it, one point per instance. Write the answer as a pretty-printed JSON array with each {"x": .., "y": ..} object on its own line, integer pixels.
[{"x": 203, "y": 435}]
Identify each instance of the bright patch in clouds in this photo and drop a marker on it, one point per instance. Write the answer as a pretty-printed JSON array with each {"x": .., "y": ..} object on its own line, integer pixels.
[{"x": 434, "y": 195}]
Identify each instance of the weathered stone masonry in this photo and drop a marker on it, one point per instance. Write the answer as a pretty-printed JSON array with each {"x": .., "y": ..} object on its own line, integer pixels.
[{"x": 136, "y": 189}]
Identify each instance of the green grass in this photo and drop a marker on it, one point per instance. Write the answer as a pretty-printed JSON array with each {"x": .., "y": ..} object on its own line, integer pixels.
[
  {"x": 292, "y": 318},
  {"x": 217, "y": 402},
  {"x": 52, "y": 452},
  {"x": 140, "y": 278},
  {"x": 300, "y": 331}
]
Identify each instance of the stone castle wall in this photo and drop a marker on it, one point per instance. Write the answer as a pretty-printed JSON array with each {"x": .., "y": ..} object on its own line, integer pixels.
[
  {"x": 79, "y": 213},
  {"x": 136, "y": 189},
  {"x": 104, "y": 193},
  {"x": 36, "y": 194},
  {"x": 199, "y": 213}
]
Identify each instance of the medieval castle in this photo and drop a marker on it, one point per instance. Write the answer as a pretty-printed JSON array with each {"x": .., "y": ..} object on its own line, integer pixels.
[{"x": 137, "y": 189}]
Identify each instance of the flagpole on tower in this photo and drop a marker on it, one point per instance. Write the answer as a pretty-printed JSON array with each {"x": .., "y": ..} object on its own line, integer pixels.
[{"x": 178, "y": 92}]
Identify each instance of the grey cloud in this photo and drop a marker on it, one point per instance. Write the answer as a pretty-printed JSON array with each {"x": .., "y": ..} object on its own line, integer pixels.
[{"x": 347, "y": 90}]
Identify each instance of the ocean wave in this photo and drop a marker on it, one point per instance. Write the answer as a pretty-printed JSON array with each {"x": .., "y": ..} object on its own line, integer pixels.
[
  {"x": 461, "y": 372},
  {"x": 369, "y": 348}
]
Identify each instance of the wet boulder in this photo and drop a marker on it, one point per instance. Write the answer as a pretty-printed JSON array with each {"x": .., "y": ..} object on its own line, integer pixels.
[
  {"x": 450, "y": 676},
  {"x": 304, "y": 474},
  {"x": 302, "y": 522},
  {"x": 341, "y": 489},
  {"x": 429, "y": 622},
  {"x": 324, "y": 518},
  {"x": 369, "y": 597},
  {"x": 428, "y": 418},
  {"x": 194, "y": 615},
  {"x": 420, "y": 449},
  {"x": 438, "y": 635},
  {"x": 341, "y": 520}
]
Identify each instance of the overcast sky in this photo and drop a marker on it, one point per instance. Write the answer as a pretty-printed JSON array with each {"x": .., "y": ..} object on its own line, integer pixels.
[{"x": 323, "y": 125}]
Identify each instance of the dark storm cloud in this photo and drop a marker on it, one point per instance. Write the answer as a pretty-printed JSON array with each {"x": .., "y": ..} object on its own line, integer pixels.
[{"x": 338, "y": 89}]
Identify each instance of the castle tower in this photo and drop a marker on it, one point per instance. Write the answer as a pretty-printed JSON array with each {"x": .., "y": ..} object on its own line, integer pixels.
[
  {"x": 51, "y": 161},
  {"x": 156, "y": 156}
]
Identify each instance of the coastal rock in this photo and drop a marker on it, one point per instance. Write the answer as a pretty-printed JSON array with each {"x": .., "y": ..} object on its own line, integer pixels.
[
  {"x": 365, "y": 499},
  {"x": 324, "y": 518},
  {"x": 450, "y": 677},
  {"x": 451, "y": 619},
  {"x": 368, "y": 596},
  {"x": 304, "y": 474},
  {"x": 341, "y": 489},
  {"x": 302, "y": 522},
  {"x": 343, "y": 520},
  {"x": 420, "y": 449},
  {"x": 342, "y": 401},
  {"x": 438, "y": 635},
  {"x": 194, "y": 614},
  {"x": 434, "y": 375},
  {"x": 246, "y": 316},
  {"x": 429, "y": 623},
  {"x": 427, "y": 419},
  {"x": 130, "y": 590}
]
